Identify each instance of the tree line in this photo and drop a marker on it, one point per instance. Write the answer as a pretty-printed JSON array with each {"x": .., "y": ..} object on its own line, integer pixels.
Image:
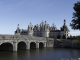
[
  {"x": 58, "y": 37},
  {"x": 63, "y": 37}
]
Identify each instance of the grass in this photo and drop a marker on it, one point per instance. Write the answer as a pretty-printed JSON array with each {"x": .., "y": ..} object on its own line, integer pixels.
[
  {"x": 76, "y": 41},
  {"x": 65, "y": 39}
]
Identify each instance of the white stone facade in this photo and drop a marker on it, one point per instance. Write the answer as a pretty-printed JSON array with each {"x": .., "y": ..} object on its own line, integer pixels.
[{"x": 44, "y": 30}]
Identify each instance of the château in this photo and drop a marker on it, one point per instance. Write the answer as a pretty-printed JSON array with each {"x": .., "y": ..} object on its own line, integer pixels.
[{"x": 44, "y": 30}]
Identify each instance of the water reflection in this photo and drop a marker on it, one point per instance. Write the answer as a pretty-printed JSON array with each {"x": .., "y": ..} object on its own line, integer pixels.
[{"x": 40, "y": 54}]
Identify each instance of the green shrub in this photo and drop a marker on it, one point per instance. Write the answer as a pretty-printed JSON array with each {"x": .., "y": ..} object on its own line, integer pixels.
[
  {"x": 59, "y": 36},
  {"x": 63, "y": 37}
]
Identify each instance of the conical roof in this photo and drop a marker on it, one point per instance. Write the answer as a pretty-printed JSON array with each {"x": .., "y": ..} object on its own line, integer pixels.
[{"x": 64, "y": 27}]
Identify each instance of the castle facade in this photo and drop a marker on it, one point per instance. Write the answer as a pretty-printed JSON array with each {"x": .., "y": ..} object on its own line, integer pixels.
[{"x": 44, "y": 30}]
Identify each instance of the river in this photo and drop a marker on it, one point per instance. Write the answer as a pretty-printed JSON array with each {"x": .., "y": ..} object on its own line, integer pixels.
[{"x": 42, "y": 54}]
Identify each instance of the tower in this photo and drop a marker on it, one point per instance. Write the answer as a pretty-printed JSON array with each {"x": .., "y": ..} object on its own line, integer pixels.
[
  {"x": 18, "y": 31},
  {"x": 46, "y": 30},
  {"x": 30, "y": 29},
  {"x": 65, "y": 30}
]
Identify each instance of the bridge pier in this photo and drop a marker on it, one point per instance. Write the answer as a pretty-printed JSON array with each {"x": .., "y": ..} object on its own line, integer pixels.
[
  {"x": 28, "y": 45},
  {"x": 44, "y": 44},
  {"x": 14, "y": 46},
  {"x": 37, "y": 44}
]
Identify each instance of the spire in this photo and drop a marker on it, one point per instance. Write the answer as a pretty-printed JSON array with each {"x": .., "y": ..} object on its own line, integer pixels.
[
  {"x": 53, "y": 24},
  {"x": 45, "y": 22},
  {"x": 42, "y": 20},
  {"x": 48, "y": 25},
  {"x": 64, "y": 22},
  {"x": 18, "y": 26},
  {"x": 18, "y": 30},
  {"x": 37, "y": 25},
  {"x": 30, "y": 24},
  {"x": 42, "y": 23}
]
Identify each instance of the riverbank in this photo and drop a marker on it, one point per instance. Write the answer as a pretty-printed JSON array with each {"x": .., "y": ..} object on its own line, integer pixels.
[{"x": 67, "y": 43}]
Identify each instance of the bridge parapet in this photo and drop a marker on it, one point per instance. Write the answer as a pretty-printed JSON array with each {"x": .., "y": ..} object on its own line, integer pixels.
[{"x": 23, "y": 37}]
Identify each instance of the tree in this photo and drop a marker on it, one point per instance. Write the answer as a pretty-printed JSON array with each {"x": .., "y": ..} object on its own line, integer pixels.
[
  {"x": 63, "y": 37},
  {"x": 50, "y": 36},
  {"x": 53, "y": 36},
  {"x": 59, "y": 36},
  {"x": 74, "y": 37},
  {"x": 78, "y": 37},
  {"x": 76, "y": 17}
]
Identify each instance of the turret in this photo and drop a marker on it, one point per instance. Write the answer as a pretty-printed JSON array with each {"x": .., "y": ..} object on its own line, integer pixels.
[
  {"x": 65, "y": 29},
  {"x": 42, "y": 25},
  {"x": 53, "y": 28},
  {"x": 46, "y": 30},
  {"x": 18, "y": 31},
  {"x": 64, "y": 22},
  {"x": 45, "y": 22},
  {"x": 30, "y": 29}
]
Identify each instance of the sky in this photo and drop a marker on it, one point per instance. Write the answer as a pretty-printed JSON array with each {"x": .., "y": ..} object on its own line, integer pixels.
[{"x": 22, "y": 12}]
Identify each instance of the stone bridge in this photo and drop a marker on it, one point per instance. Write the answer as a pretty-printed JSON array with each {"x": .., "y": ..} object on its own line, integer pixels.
[{"x": 16, "y": 42}]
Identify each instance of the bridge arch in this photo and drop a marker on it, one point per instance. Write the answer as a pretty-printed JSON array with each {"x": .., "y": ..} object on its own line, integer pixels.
[
  {"x": 6, "y": 46},
  {"x": 21, "y": 45},
  {"x": 41, "y": 44},
  {"x": 32, "y": 45}
]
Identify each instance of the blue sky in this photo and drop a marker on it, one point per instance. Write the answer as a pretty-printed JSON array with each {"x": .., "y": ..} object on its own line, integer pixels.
[{"x": 22, "y": 12}]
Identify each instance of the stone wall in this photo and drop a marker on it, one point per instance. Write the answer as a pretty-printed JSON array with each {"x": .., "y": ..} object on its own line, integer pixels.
[{"x": 49, "y": 42}]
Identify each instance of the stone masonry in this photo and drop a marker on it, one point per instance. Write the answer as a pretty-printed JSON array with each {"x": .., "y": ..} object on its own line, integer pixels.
[{"x": 15, "y": 39}]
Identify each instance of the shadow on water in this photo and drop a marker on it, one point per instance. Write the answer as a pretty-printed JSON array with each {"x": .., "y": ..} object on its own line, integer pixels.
[
  {"x": 41, "y": 54},
  {"x": 6, "y": 47}
]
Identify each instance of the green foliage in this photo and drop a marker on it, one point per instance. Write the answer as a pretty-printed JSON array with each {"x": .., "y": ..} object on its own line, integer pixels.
[
  {"x": 59, "y": 36},
  {"x": 76, "y": 17},
  {"x": 76, "y": 42},
  {"x": 51, "y": 36},
  {"x": 78, "y": 37},
  {"x": 63, "y": 37},
  {"x": 74, "y": 37},
  {"x": 71, "y": 37}
]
